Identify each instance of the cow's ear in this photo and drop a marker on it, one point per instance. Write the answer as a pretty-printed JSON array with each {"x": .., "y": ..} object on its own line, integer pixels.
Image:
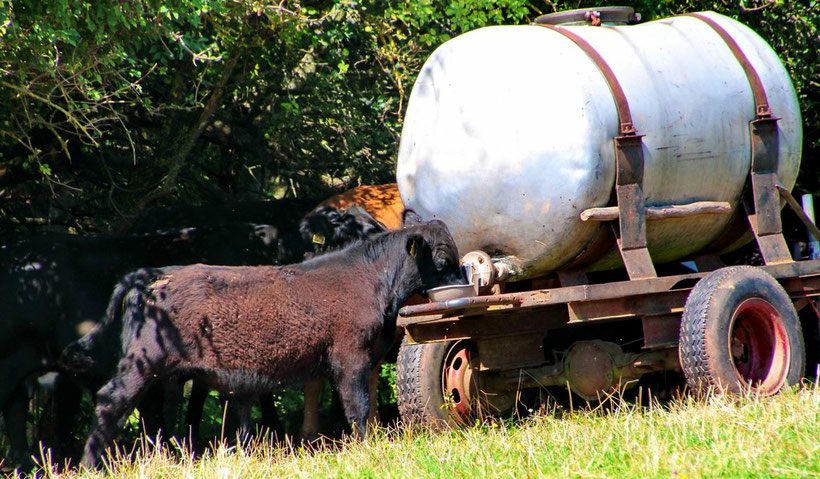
[
  {"x": 410, "y": 217},
  {"x": 414, "y": 244}
]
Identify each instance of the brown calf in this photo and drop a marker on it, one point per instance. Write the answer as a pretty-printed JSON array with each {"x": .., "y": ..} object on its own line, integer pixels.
[{"x": 248, "y": 330}]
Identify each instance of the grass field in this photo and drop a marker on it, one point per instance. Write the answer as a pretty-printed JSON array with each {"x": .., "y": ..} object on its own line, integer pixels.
[{"x": 717, "y": 437}]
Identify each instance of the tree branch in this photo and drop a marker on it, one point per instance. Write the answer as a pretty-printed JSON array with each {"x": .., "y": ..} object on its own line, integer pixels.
[
  {"x": 745, "y": 9},
  {"x": 178, "y": 160}
]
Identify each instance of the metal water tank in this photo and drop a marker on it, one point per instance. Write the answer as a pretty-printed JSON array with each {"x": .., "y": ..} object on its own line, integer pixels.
[{"x": 509, "y": 131}]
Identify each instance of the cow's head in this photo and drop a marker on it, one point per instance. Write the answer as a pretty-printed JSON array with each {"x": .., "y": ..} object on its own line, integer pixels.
[
  {"x": 434, "y": 250},
  {"x": 328, "y": 228}
]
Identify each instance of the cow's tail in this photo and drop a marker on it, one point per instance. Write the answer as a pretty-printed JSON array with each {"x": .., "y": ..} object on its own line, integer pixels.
[{"x": 103, "y": 342}]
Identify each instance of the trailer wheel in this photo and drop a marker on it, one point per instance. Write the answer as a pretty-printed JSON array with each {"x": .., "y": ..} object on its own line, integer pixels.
[
  {"x": 740, "y": 332},
  {"x": 436, "y": 383}
]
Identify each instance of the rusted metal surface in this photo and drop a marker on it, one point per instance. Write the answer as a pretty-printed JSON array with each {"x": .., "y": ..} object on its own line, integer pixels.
[
  {"x": 629, "y": 171},
  {"x": 765, "y": 219},
  {"x": 661, "y": 331},
  {"x": 508, "y": 352},
  {"x": 764, "y": 207},
  {"x": 651, "y": 304},
  {"x": 801, "y": 287},
  {"x": 761, "y": 100},
  {"x": 591, "y": 368},
  {"x": 631, "y": 230},
  {"x": 494, "y": 324},
  {"x": 459, "y": 304},
  {"x": 632, "y": 218},
  {"x": 544, "y": 309},
  {"x": 588, "y": 367},
  {"x": 610, "y": 213},
  {"x": 637, "y": 261},
  {"x": 459, "y": 381},
  {"x": 772, "y": 246}
]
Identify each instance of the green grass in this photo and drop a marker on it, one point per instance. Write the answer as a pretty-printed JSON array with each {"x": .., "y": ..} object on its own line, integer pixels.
[{"x": 718, "y": 437}]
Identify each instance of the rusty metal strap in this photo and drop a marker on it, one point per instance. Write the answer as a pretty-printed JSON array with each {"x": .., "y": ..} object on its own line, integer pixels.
[
  {"x": 628, "y": 173},
  {"x": 624, "y": 115},
  {"x": 762, "y": 109},
  {"x": 762, "y": 201}
]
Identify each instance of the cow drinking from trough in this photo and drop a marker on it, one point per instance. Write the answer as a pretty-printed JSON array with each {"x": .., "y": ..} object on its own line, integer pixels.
[
  {"x": 248, "y": 330},
  {"x": 384, "y": 204},
  {"x": 324, "y": 229},
  {"x": 357, "y": 213}
]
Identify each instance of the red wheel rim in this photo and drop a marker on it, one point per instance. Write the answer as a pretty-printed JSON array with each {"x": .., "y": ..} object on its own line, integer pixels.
[
  {"x": 759, "y": 346},
  {"x": 458, "y": 383}
]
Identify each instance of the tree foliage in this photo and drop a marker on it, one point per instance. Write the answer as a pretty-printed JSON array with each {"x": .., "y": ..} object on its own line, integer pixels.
[{"x": 113, "y": 106}]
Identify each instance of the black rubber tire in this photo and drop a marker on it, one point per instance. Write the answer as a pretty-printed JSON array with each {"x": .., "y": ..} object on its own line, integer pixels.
[
  {"x": 706, "y": 329},
  {"x": 419, "y": 393}
]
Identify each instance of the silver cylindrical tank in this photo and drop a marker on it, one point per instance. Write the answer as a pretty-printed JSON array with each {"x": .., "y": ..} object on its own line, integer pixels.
[{"x": 508, "y": 134}]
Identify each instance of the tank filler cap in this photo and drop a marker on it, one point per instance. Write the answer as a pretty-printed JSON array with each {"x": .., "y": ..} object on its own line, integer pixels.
[{"x": 592, "y": 16}]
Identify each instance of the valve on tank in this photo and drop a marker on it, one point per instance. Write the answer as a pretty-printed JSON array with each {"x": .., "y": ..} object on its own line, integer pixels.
[{"x": 484, "y": 271}]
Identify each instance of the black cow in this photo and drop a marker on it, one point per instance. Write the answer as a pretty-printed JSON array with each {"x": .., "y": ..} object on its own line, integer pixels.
[
  {"x": 323, "y": 229},
  {"x": 248, "y": 330}
]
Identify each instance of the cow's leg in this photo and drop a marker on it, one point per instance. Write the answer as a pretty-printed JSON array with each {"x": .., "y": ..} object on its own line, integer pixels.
[
  {"x": 352, "y": 384},
  {"x": 68, "y": 397},
  {"x": 15, "y": 412},
  {"x": 172, "y": 404},
  {"x": 115, "y": 401},
  {"x": 270, "y": 418},
  {"x": 196, "y": 404},
  {"x": 15, "y": 366},
  {"x": 239, "y": 410},
  {"x": 373, "y": 387},
  {"x": 150, "y": 408},
  {"x": 243, "y": 411},
  {"x": 310, "y": 420}
]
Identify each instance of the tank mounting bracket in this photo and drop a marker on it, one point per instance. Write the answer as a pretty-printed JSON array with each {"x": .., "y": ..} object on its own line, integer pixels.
[
  {"x": 762, "y": 199},
  {"x": 630, "y": 230}
]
